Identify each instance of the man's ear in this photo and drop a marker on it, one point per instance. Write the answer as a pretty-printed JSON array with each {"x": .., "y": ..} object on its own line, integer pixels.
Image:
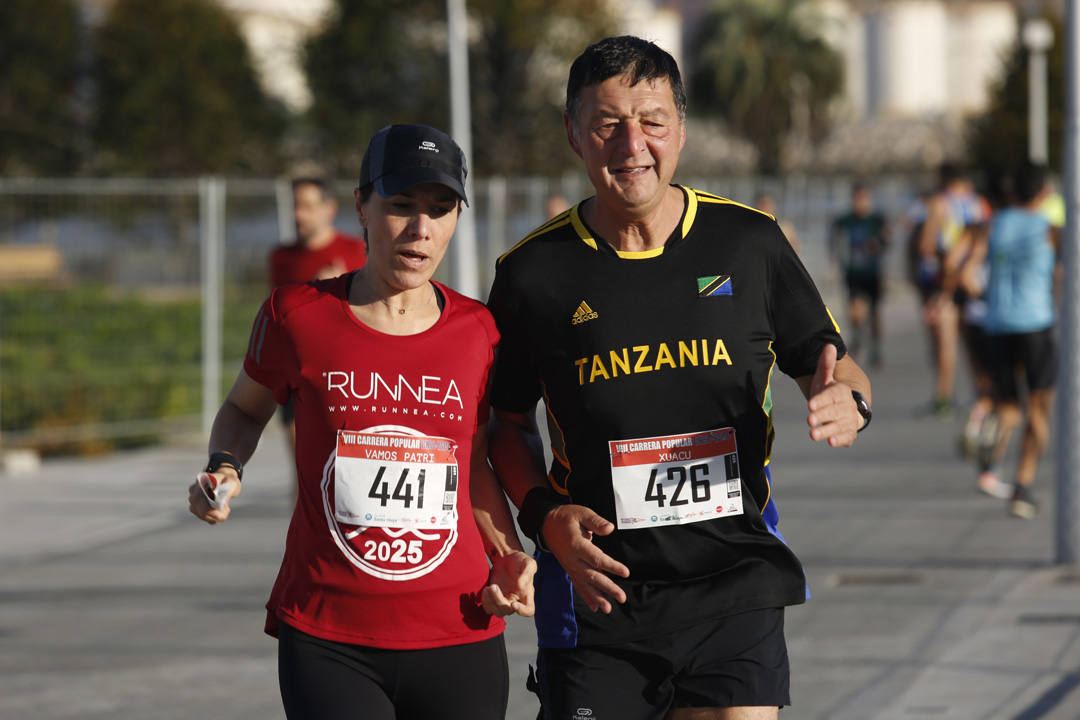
[{"x": 571, "y": 133}]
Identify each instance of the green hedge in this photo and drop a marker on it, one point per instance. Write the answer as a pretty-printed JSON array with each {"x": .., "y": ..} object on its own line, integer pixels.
[{"x": 86, "y": 355}]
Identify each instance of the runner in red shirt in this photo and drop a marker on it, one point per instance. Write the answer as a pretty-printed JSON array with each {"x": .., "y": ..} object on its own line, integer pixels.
[
  {"x": 319, "y": 252},
  {"x": 385, "y": 597}
]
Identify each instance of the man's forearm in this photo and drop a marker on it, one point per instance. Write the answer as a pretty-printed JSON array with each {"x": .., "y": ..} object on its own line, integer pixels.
[
  {"x": 517, "y": 455},
  {"x": 849, "y": 373}
]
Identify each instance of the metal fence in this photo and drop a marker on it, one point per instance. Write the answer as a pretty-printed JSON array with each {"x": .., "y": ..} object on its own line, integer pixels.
[{"x": 125, "y": 304}]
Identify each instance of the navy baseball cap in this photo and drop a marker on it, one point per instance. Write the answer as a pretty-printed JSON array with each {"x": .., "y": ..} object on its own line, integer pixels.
[{"x": 400, "y": 156}]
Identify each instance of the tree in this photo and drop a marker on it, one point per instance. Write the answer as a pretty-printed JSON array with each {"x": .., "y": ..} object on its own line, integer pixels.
[
  {"x": 376, "y": 62},
  {"x": 39, "y": 71},
  {"x": 380, "y": 61},
  {"x": 518, "y": 66},
  {"x": 997, "y": 140},
  {"x": 757, "y": 65},
  {"x": 177, "y": 92}
]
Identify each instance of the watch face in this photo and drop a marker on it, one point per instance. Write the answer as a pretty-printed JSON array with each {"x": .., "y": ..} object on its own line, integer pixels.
[{"x": 862, "y": 406}]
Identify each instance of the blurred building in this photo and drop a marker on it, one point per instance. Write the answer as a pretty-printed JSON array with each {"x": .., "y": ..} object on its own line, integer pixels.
[
  {"x": 662, "y": 23},
  {"x": 920, "y": 57},
  {"x": 915, "y": 70},
  {"x": 907, "y": 57},
  {"x": 274, "y": 31}
]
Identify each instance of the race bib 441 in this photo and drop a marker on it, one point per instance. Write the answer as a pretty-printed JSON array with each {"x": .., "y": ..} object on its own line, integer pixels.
[
  {"x": 395, "y": 481},
  {"x": 675, "y": 479}
]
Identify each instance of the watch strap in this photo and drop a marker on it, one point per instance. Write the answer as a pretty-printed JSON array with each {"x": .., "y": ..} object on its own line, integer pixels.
[
  {"x": 538, "y": 502},
  {"x": 217, "y": 459},
  {"x": 863, "y": 408}
]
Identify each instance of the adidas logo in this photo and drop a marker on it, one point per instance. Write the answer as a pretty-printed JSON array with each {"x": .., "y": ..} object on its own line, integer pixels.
[{"x": 583, "y": 314}]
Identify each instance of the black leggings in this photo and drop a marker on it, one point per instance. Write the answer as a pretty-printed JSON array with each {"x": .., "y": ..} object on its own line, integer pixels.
[{"x": 326, "y": 680}]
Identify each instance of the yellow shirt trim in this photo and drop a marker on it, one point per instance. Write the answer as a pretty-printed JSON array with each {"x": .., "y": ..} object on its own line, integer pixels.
[
  {"x": 687, "y": 223},
  {"x": 639, "y": 254},
  {"x": 691, "y": 209},
  {"x": 579, "y": 226},
  {"x": 836, "y": 327},
  {"x": 559, "y": 220},
  {"x": 710, "y": 198}
]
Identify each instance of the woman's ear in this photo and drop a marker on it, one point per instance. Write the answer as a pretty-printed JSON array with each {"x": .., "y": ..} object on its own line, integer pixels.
[{"x": 360, "y": 208}]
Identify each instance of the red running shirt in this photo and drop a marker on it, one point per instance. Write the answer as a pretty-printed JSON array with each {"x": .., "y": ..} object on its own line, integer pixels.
[
  {"x": 416, "y": 401},
  {"x": 296, "y": 264}
]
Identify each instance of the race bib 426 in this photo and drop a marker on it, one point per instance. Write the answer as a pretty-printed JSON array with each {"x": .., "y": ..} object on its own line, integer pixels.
[{"x": 675, "y": 479}]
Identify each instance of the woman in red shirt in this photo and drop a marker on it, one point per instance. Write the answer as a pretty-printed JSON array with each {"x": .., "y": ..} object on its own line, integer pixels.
[{"x": 385, "y": 605}]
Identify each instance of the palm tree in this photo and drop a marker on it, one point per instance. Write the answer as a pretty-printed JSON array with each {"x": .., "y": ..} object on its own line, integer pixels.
[{"x": 761, "y": 64}]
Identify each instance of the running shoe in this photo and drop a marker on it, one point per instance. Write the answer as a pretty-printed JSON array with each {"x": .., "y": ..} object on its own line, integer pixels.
[
  {"x": 967, "y": 444},
  {"x": 984, "y": 453},
  {"x": 990, "y": 484},
  {"x": 1023, "y": 505},
  {"x": 941, "y": 407}
]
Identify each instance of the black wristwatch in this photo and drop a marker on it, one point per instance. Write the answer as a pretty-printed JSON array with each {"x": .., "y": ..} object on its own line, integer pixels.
[
  {"x": 863, "y": 407},
  {"x": 218, "y": 459}
]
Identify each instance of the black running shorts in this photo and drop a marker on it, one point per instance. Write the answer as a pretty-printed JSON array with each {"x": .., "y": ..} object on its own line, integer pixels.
[
  {"x": 735, "y": 661},
  {"x": 1034, "y": 353},
  {"x": 326, "y": 680},
  {"x": 288, "y": 413},
  {"x": 864, "y": 286}
]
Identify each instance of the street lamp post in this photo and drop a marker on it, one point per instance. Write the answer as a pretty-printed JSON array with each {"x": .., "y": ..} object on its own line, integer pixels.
[
  {"x": 1067, "y": 505},
  {"x": 466, "y": 277},
  {"x": 1038, "y": 36}
]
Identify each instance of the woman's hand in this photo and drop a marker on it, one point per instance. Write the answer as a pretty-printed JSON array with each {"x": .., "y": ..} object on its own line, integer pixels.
[
  {"x": 510, "y": 586},
  {"x": 222, "y": 485}
]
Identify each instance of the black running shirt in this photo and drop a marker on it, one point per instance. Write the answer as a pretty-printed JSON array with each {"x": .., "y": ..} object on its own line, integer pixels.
[{"x": 655, "y": 368}]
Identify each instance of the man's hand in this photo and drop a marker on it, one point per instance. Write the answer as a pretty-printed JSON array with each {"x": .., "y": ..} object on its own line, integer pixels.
[
  {"x": 510, "y": 588},
  {"x": 199, "y": 503},
  {"x": 833, "y": 417},
  {"x": 568, "y": 531}
]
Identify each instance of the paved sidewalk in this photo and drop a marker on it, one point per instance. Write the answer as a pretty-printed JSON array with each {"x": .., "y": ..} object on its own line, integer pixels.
[{"x": 928, "y": 600}]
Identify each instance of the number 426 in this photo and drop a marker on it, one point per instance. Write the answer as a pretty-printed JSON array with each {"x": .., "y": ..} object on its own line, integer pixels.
[{"x": 699, "y": 485}]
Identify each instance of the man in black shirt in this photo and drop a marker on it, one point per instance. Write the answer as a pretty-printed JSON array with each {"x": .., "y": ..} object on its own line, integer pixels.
[
  {"x": 650, "y": 319},
  {"x": 859, "y": 242}
]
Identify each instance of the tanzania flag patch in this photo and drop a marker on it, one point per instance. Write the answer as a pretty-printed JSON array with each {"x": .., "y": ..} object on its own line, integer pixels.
[{"x": 713, "y": 285}]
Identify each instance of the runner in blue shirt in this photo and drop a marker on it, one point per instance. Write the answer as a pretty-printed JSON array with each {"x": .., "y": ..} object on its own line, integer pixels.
[{"x": 1020, "y": 322}]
